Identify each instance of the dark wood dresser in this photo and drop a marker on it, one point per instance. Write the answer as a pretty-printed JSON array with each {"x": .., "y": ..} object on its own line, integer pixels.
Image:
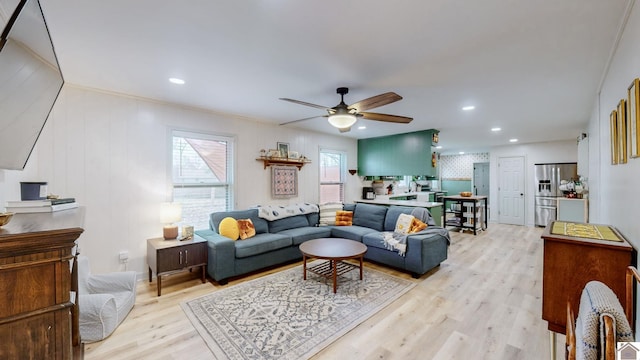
[
  {"x": 571, "y": 262},
  {"x": 36, "y": 256}
]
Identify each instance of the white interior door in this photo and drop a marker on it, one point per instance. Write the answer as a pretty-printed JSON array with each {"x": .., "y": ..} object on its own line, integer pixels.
[{"x": 511, "y": 190}]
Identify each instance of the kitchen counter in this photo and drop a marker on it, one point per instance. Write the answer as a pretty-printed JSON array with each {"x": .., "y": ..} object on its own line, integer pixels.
[{"x": 435, "y": 208}]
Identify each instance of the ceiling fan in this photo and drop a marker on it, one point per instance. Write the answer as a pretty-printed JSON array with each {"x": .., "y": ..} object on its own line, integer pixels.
[{"x": 343, "y": 116}]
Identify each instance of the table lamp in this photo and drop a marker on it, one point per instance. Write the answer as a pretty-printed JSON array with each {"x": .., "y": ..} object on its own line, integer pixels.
[{"x": 170, "y": 213}]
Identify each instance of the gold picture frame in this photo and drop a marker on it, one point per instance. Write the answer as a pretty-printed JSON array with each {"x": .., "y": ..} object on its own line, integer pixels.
[
  {"x": 622, "y": 131},
  {"x": 633, "y": 114},
  {"x": 613, "y": 127}
]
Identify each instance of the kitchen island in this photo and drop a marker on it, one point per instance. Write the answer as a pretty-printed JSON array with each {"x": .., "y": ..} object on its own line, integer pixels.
[{"x": 435, "y": 208}]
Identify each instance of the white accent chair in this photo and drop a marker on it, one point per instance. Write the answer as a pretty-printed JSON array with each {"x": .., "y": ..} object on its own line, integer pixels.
[{"x": 104, "y": 300}]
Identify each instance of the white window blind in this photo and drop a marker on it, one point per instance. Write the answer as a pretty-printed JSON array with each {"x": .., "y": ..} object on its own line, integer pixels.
[
  {"x": 332, "y": 176},
  {"x": 202, "y": 175}
]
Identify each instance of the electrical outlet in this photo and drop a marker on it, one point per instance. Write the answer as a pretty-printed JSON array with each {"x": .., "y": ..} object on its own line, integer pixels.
[{"x": 124, "y": 256}]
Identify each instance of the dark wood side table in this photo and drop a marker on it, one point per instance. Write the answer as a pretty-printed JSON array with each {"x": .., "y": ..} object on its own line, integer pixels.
[
  {"x": 570, "y": 263},
  {"x": 167, "y": 257}
]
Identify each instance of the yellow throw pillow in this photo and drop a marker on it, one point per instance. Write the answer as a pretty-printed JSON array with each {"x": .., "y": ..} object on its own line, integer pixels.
[
  {"x": 229, "y": 228},
  {"x": 417, "y": 226},
  {"x": 344, "y": 218},
  {"x": 246, "y": 228}
]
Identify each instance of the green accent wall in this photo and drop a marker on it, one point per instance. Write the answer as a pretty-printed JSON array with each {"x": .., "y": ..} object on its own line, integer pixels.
[
  {"x": 454, "y": 187},
  {"x": 397, "y": 155}
]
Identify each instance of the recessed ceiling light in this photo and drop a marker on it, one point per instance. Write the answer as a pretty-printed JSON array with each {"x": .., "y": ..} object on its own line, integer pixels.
[
  {"x": 513, "y": 140},
  {"x": 439, "y": 147},
  {"x": 461, "y": 153},
  {"x": 362, "y": 127},
  {"x": 176, "y": 81},
  {"x": 496, "y": 129},
  {"x": 468, "y": 108}
]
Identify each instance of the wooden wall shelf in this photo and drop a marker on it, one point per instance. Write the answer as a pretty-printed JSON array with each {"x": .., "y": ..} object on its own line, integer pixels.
[{"x": 282, "y": 161}]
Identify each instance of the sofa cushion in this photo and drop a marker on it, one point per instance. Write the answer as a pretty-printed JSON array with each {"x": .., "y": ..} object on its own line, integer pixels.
[
  {"x": 261, "y": 244},
  {"x": 391, "y": 218},
  {"x": 344, "y": 218},
  {"x": 417, "y": 226},
  {"x": 371, "y": 216},
  {"x": 374, "y": 239},
  {"x": 302, "y": 234},
  {"x": 351, "y": 232},
  {"x": 349, "y": 207},
  {"x": 246, "y": 228},
  {"x": 229, "y": 228},
  {"x": 259, "y": 223},
  {"x": 313, "y": 218},
  {"x": 290, "y": 222},
  {"x": 403, "y": 225},
  {"x": 328, "y": 213}
]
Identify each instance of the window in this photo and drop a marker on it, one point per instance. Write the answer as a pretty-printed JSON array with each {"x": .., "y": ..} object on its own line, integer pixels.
[
  {"x": 202, "y": 175},
  {"x": 332, "y": 176}
]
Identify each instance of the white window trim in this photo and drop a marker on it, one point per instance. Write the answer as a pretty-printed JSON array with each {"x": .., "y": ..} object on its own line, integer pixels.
[{"x": 343, "y": 171}]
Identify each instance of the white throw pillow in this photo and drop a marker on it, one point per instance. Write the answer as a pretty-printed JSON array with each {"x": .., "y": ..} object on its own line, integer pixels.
[
  {"x": 328, "y": 213},
  {"x": 403, "y": 224}
]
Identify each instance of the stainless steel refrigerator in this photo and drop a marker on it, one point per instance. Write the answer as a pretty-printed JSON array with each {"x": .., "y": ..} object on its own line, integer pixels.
[{"x": 548, "y": 178}]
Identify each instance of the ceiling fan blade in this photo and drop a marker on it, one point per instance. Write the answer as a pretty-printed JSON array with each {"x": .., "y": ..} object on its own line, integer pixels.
[
  {"x": 295, "y": 121},
  {"x": 386, "y": 117},
  {"x": 344, "y": 130},
  {"x": 375, "y": 101},
  {"x": 306, "y": 104}
]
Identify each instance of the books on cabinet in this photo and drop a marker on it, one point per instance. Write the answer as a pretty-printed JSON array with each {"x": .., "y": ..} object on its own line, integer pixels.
[{"x": 41, "y": 206}]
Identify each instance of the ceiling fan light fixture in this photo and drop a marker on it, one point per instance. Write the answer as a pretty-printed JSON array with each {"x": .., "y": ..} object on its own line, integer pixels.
[{"x": 342, "y": 121}]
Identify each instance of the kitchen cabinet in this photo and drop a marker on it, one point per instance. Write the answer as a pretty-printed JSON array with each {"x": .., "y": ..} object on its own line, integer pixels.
[
  {"x": 400, "y": 154},
  {"x": 575, "y": 210}
]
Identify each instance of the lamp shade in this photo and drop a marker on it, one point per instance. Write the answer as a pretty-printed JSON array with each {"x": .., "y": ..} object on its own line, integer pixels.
[
  {"x": 170, "y": 213},
  {"x": 342, "y": 121}
]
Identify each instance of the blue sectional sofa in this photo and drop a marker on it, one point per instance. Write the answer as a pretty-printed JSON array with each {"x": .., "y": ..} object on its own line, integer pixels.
[{"x": 277, "y": 241}]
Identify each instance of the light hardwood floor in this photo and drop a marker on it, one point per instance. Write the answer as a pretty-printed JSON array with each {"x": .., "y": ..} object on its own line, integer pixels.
[{"x": 483, "y": 302}]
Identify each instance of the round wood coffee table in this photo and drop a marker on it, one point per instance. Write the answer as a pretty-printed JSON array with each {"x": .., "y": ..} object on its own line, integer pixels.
[{"x": 334, "y": 250}]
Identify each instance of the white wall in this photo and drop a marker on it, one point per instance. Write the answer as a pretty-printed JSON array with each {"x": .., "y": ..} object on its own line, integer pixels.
[
  {"x": 111, "y": 153},
  {"x": 614, "y": 192},
  {"x": 547, "y": 152}
]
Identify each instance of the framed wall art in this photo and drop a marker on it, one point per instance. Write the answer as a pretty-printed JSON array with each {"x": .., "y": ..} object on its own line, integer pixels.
[
  {"x": 273, "y": 153},
  {"x": 284, "y": 149},
  {"x": 622, "y": 132},
  {"x": 633, "y": 114},
  {"x": 294, "y": 155},
  {"x": 284, "y": 181},
  {"x": 613, "y": 127}
]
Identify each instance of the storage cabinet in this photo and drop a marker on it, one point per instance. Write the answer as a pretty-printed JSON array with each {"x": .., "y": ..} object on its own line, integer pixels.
[
  {"x": 466, "y": 212},
  {"x": 396, "y": 155},
  {"x": 570, "y": 262},
  {"x": 35, "y": 286},
  {"x": 170, "y": 256}
]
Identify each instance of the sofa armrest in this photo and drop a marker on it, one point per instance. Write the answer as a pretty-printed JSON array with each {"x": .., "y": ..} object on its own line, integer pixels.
[
  {"x": 425, "y": 250},
  {"x": 222, "y": 254}
]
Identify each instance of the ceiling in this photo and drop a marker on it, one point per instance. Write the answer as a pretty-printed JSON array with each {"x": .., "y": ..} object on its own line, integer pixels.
[{"x": 532, "y": 68}]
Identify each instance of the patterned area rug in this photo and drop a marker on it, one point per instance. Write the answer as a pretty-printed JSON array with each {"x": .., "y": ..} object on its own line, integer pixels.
[{"x": 281, "y": 316}]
